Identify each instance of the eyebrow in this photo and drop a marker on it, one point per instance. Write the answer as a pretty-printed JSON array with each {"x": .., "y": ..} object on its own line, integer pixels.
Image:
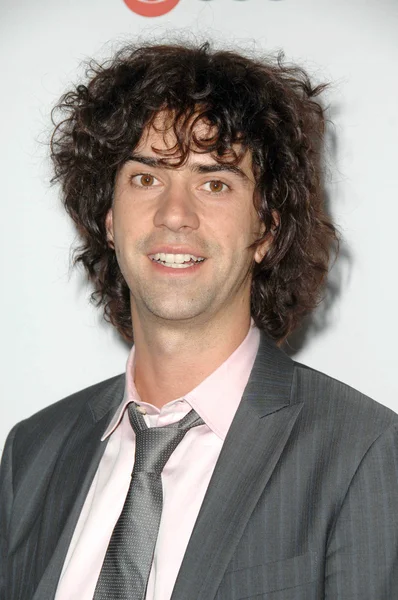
[{"x": 153, "y": 162}]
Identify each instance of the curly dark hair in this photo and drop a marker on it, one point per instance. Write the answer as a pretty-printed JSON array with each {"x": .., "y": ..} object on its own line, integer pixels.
[{"x": 266, "y": 106}]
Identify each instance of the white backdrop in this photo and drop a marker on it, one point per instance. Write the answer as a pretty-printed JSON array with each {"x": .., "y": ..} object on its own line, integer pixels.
[{"x": 53, "y": 341}]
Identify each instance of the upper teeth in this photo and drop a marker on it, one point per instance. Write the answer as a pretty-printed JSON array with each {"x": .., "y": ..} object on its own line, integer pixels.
[{"x": 174, "y": 258}]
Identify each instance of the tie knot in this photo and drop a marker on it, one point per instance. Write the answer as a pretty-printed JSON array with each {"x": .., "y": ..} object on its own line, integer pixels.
[{"x": 155, "y": 445}]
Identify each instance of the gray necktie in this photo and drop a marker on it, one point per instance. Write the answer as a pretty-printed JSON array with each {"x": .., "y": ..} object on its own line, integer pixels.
[{"x": 127, "y": 564}]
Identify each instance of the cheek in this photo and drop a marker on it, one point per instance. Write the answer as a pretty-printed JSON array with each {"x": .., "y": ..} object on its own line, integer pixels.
[
  {"x": 241, "y": 232},
  {"x": 125, "y": 223},
  {"x": 124, "y": 239}
]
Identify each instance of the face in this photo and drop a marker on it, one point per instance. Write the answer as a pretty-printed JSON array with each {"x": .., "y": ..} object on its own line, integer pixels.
[{"x": 182, "y": 235}]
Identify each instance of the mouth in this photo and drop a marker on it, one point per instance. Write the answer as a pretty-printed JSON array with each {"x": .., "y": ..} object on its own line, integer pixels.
[{"x": 176, "y": 261}]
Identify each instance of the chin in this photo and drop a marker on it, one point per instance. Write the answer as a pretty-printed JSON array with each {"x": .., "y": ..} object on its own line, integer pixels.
[{"x": 176, "y": 314}]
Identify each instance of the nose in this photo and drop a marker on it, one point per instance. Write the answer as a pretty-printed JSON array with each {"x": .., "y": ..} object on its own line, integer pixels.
[{"x": 177, "y": 209}]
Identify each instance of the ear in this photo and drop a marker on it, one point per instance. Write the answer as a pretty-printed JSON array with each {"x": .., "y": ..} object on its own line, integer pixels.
[
  {"x": 263, "y": 248},
  {"x": 109, "y": 228}
]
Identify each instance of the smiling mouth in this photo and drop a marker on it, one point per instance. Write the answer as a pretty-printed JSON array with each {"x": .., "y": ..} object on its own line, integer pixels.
[{"x": 176, "y": 261}]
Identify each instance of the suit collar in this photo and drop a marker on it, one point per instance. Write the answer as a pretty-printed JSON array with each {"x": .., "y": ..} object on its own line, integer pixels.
[
  {"x": 252, "y": 449},
  {"x": 270, "y": 384},
  {"x": 80, "y": 451},
  {"x": 107, "y": 401}
]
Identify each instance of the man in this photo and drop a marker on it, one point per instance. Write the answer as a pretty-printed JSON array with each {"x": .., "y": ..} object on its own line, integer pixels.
[{"x": 216, "y": 468}]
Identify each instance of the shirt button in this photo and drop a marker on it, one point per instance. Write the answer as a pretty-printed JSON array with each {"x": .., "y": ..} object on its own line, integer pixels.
[{"x": 141, "y": 409}]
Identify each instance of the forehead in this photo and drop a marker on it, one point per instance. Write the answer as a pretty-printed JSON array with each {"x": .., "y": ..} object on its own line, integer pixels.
[{"x": 179, "y": 139}]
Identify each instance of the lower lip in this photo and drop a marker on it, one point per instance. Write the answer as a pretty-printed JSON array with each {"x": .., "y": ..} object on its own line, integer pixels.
[{"x": 177, "y": 272}]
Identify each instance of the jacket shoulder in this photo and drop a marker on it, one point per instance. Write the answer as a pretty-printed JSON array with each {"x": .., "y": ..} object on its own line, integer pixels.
[
  {"x": 77, "y": 400},
  {"x": 339, "y": 407},
  {"x": 62, "y": 415}
]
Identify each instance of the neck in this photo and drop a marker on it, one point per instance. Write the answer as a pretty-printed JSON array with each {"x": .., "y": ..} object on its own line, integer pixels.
[{"x": 171, "y": 358}]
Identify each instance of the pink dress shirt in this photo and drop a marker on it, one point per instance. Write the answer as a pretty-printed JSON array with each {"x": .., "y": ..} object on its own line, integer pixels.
[{"x": 185, "y": 477}]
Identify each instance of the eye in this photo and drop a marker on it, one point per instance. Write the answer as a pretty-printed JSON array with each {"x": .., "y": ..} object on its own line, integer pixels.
[
  {"x": 144, "y": 180},
  {"x": 215, "y": 186}
]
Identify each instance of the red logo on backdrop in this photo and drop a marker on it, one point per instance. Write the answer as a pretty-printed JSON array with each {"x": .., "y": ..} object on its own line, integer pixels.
[{"x": 151, "y": 8}]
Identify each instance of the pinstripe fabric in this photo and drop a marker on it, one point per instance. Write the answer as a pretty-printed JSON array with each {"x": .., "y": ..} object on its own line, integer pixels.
[
  {"x": 302, "y": 504},
  {"x": 51, "y": 459}
]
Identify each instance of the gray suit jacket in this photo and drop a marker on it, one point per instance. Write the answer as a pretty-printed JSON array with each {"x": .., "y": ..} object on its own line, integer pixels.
[{"x": 302, "y": 504}]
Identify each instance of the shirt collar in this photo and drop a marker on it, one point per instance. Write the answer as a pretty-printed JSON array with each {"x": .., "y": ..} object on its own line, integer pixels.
[{"x": 215, "y": 399}]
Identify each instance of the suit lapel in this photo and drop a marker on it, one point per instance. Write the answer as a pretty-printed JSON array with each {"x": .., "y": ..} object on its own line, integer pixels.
[
  {"x": 252, "y": 448},
  {"x": 69, "y": 485}
]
